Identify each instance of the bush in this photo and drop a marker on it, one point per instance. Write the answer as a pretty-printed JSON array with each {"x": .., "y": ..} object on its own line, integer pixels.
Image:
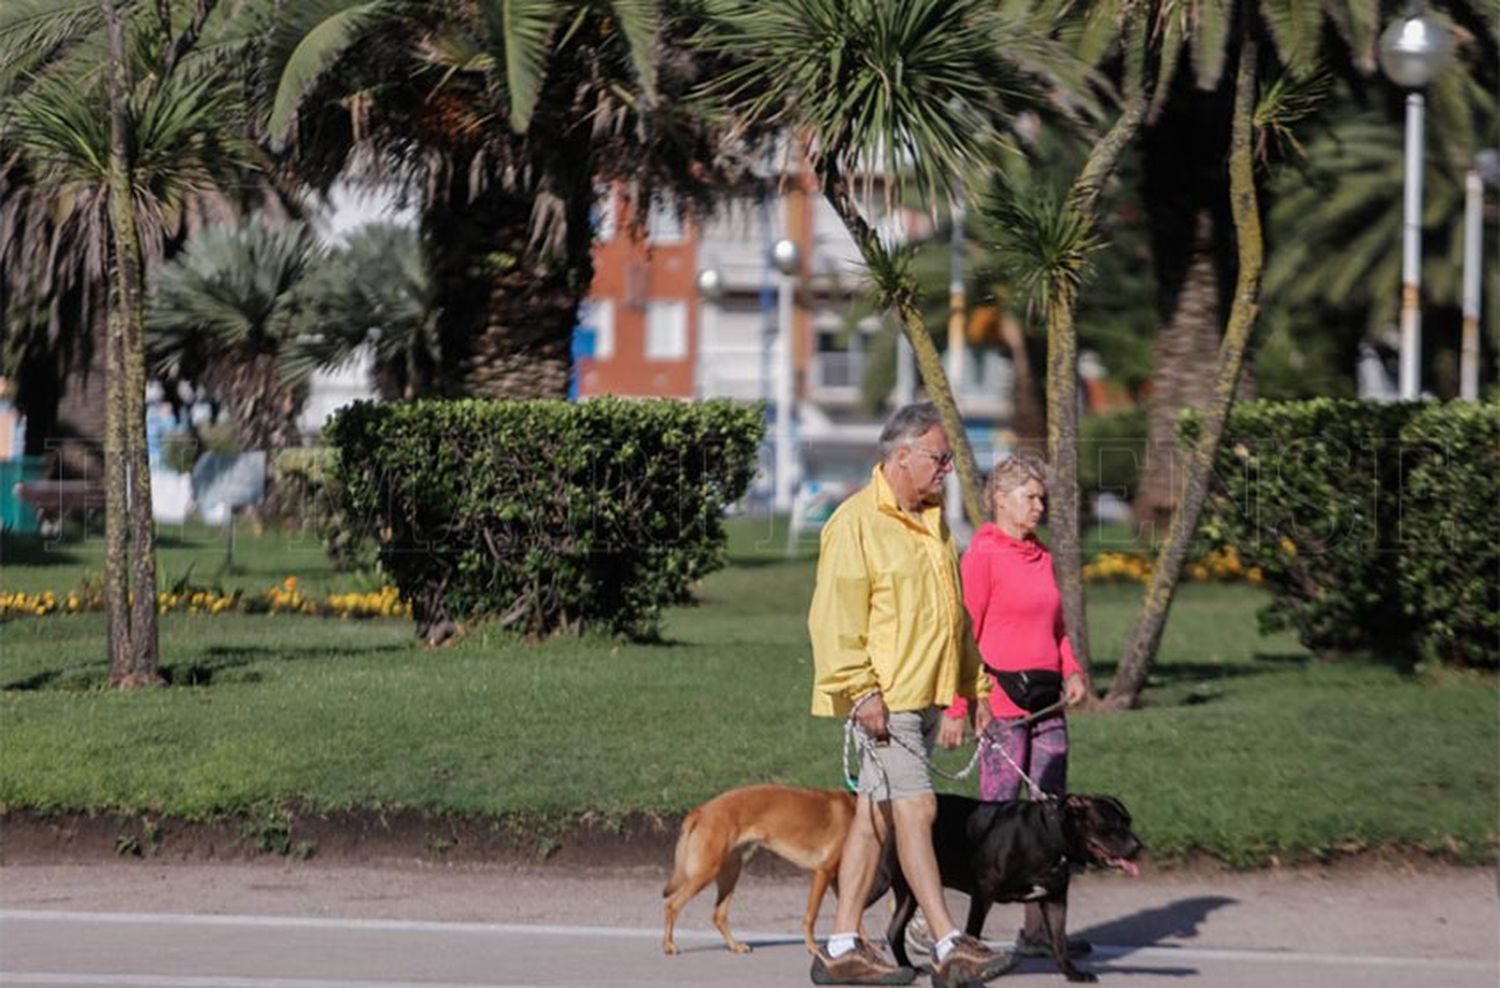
[
  {"x": 181, "y": 449},
  {"x": 1347, "y": 509},
  {"x": 305, "y": 492},
  {"x": 1450, "y": 532},
  {"x": 545, "y": 516}
]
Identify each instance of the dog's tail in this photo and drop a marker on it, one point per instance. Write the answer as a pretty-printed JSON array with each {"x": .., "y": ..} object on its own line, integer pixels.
[{"x": 679, "y": 864}]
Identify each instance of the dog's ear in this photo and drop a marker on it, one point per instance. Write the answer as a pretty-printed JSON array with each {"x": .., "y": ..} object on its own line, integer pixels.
[
  {"x": 1077, "y": 803},
  {"x": 1110, "y": 809},
  {"x": 1117, "y": 806}
]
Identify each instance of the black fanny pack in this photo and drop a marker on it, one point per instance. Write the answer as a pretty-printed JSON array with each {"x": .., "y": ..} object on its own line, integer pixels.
[{"x": 1031, "y": 689}]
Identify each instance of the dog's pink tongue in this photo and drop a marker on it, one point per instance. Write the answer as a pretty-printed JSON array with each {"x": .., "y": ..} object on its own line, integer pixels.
[{"x": 1128, "y": 867}]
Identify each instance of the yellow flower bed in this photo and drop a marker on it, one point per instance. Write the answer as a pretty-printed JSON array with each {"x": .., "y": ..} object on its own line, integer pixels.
[
  {"x": 1219, "y": 566},
  {"x": 284, "y": 598}
]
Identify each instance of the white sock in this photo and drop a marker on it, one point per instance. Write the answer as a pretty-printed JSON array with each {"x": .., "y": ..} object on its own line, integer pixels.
[
  {"x": 840, "y": 944},
  {"x": 941, "y": 948}
]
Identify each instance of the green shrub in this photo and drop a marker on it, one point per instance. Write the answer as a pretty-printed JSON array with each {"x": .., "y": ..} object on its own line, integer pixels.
[
  {"x": 305, "y": 493},
  {"x": 545, "y": 516},
  {"x": 180, "y": 450},
  {"x": 1450, "y": 532},
  {"x": 1348, "y": 510}
]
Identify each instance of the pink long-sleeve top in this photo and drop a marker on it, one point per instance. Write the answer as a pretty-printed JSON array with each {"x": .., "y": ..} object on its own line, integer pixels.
[{"x": 1016, "y": 610}]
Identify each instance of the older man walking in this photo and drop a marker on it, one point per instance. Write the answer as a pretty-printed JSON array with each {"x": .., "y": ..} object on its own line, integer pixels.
[{"x": 891, "y": 643}]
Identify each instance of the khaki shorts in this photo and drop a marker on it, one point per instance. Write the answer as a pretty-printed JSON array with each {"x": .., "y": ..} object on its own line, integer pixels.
[{"x": 894, "y": 770}]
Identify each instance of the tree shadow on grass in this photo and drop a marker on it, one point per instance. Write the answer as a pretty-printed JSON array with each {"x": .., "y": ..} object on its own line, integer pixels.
[
  {"x": 34, "y": 550},
  {"x": 1299, "y": 659},
  {"x": 219, "y": 664}
]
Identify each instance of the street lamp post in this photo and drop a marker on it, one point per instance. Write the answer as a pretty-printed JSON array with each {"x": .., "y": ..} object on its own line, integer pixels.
[
  {"x": 787, "y": 257},
  {"x": 711, "y": 291},
  {"x": 1413, "y": 50},
  {"x": 1486, "y": 169}
]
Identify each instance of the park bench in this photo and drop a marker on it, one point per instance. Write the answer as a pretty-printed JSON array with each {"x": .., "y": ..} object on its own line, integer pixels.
[{"x": 54, "y": 500}]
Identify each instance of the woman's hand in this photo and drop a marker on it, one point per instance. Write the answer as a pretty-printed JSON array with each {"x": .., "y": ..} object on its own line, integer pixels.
[
  {"x": 951, "y": 732},
  {"x": 1073, "y": 690},
  {"x": 982, "y": 717}
]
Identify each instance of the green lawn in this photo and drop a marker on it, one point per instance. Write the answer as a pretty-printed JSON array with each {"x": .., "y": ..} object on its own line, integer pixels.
[
  {"x": 193, "y": 550},
  {"x": 1248, "y": 748}
]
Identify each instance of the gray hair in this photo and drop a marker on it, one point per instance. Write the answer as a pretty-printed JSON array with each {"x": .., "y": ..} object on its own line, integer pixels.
[
  {"x": 906, "y": 426},
  {"x": 1012, "y": 472}
]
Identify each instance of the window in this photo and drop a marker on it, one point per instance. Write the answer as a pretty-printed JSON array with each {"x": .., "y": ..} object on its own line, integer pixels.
[
  {"x": 666, "y": 330},
  {"x": 604, "y": 214},
  {"x": 598, "y": 315},
  {"x": 664, "y": 223}
]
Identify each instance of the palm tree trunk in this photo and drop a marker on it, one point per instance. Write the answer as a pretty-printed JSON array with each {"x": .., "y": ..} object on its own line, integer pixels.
[
  {"x": 1063, "y": 522},
  {"x": 510, "y": 308},
  {"x": 1063, "y": 515},
  {"x": 900, "y": 293},
  {"x": 1186, "y": 351},
  {"x": 133, "y": 638},
  {"x": 1140, "y": 649}
]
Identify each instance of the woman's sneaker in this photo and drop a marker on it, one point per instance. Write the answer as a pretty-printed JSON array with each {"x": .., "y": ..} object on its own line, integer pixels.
[
  {"x": 918, "y": 935},
  {"x": 970, "y": 962},
  {"x": 861, "y": 966}
]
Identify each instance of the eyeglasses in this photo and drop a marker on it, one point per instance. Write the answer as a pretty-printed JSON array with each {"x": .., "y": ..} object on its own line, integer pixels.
[{"x": 943, "y": 460}]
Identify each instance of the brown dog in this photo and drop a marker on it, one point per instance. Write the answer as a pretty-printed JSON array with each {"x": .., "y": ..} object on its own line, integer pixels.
[{"x": 805, "y": 826}]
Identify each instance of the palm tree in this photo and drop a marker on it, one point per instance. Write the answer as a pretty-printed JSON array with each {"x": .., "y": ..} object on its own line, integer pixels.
[
  {"x": 1186, "y": 145},
  {"x": 53, "y": 262},
  {"x": 916, "y": 94},
  {"x": 224, "y": 317},
  {"x": 1191, "y": 274},
  {"x": 373, "y": 293},
  {"x": 111, "y": 120},
  {"x": 504, "y": 119}
]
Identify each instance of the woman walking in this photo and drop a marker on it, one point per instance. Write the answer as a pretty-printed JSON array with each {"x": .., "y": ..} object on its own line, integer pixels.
[{"x": 1016, "y": 611}]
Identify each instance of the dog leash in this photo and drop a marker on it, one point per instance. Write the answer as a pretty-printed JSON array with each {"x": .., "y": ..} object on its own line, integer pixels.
[{"x": 857, "y": 741}]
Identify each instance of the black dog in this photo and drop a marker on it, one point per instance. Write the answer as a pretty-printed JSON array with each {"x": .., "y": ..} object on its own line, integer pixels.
[{"x": 1016, "y": 851}]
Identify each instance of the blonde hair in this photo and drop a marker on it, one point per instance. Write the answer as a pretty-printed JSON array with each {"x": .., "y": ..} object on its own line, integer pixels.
[{"x": 1010, "y": 473}]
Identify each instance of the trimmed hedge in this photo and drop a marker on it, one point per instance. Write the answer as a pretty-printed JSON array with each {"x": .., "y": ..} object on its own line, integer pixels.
[
  {"x": 1450, "y": 526},
  {"x": 1372, "y": 524},
  {"x": 545, "y": 516}
]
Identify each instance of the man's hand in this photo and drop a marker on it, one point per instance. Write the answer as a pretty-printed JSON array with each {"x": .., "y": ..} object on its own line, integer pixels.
[
  {"x": 951, "y": 732},
  {"x": 873, "y": 717},
  {"x": 1073, "y": 690}
]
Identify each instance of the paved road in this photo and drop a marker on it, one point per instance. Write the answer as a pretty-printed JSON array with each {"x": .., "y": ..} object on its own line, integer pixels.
[{"x": 306, "y": 926}]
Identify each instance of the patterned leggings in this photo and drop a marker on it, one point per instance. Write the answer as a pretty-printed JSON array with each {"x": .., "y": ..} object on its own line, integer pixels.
[{"x": 1040, "y": 749}]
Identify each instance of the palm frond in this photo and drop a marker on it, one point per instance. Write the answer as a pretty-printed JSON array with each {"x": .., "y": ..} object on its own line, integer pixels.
[
  {"x": 1284, "y": 102},
  {"x": 1100, "y": 30},
  {"x": 523, "y": 31},
  {"x": 1296, "y": 28},
  {"x": 34, "y": 32},
  {"x": 640, "y": 22},
  {"x": 230, "y": 289},
  {"x": 1210, "y": 22},
  {"x": 307, "y": 39},
  {"x": 913, "y": 91},
  {"x": 1041, "y": 246},
  {"x": 1358, "y": 23}
]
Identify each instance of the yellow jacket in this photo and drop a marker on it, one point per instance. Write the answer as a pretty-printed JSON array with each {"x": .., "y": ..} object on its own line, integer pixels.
[{"x": 887, "y": 610}]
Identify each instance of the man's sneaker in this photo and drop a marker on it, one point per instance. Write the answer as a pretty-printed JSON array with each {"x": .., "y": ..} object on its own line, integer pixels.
[
  {"x": 970, "y": 962},
  {"x": 860, "y": 966},
  {"x": 1041, "y": 947}
]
